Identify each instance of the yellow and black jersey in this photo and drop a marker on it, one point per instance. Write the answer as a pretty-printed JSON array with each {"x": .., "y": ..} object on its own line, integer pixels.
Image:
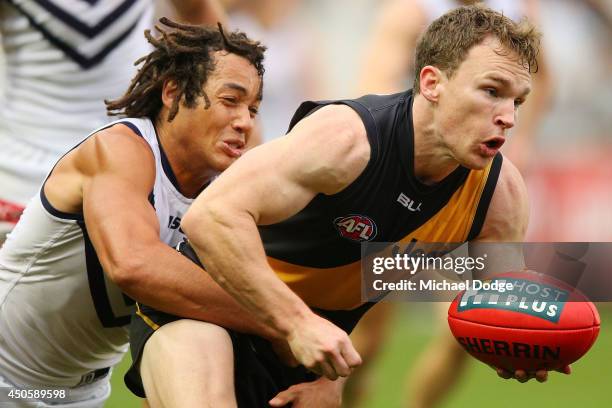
[{"x": 317, "y": 251}]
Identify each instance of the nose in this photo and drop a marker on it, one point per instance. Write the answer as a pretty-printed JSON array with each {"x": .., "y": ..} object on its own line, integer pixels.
[
  {"x": 243, "y": 122},
  {"x": 506, "y": 115}
]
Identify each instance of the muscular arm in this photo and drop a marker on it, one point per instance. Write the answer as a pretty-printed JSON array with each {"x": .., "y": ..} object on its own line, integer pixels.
[
  {"x": 508, "y": 214},
  {"x": 505, "y": 223},
  {"x": 324, "y": 153},
  {"x": 124, "y": 230}
]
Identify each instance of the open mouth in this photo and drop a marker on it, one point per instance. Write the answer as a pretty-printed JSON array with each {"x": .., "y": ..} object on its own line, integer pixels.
[
  {"x": 490, "y": 147},
  {"x": 495, "y": 143},
  {"x": 233, "y": 148}
]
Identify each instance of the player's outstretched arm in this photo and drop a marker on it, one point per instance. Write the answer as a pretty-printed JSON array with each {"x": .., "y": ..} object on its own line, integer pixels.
[
  {"x": 324, "y": 153},
  {"x": 508, "y": 214},
  {"x": 506, "y": 221},
  {"x": 124, "y": 230}
]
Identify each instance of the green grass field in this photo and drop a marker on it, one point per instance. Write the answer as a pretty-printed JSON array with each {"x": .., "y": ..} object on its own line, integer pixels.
[{"x": 480, "y": 386}]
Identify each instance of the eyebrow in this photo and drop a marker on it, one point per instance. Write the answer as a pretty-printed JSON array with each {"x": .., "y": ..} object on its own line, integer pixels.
[
  {"x": 235, "y": 86},
  {"x": 241, "y": 89},
  {"x": 496, "y": 78},
  {"x": 505, "y": 82}
]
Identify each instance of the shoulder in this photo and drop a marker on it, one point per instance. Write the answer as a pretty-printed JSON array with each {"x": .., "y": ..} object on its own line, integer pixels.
[
  {"x": 115, "y": 149},
  {"x": 116, "y": 144},
  {"x": 508, "y": 214},
  {"x": 334, "y": 129},
  {"x": 113, "y": 156},
  {"x": 335, "y": 141},
  {"x": 334, "y": 117}
]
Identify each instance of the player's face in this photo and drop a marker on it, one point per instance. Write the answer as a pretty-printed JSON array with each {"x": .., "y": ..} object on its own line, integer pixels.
[
  {"x": 217, "y": 135},
  {"x": 478, "y": 104}
]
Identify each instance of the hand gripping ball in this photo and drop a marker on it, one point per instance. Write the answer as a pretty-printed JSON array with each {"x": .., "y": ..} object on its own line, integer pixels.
[{"x": 541, "y": 323}]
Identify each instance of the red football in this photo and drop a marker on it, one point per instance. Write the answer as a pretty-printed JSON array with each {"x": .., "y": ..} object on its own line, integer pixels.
[{"x": 541, "y": 323}]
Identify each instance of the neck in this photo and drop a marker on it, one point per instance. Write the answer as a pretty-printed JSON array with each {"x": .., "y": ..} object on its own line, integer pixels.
[
  {"x": 433, "y": 160},
  {"x": 190, "y": 174}
]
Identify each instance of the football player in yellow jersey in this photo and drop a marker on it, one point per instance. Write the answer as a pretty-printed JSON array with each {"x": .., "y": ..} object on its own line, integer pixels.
[{"x": 387, "y": 66}]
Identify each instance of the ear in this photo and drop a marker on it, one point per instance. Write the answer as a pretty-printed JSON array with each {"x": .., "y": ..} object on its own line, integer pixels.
[
  {"x": 169, "y": 92},
  {"x": 430, "y": 79}
]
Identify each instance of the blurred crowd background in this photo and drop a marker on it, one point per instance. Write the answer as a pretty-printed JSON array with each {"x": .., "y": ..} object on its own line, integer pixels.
[{"x": 317, "y": 50}]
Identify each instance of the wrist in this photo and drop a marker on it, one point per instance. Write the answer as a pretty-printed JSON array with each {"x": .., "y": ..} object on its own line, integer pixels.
[
  {"x": 295, "y": 321},
  {"x": 338, "y": 383}
]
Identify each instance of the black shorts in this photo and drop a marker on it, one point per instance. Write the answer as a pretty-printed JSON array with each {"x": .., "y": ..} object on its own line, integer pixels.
[{"x": 258, "y": 373}]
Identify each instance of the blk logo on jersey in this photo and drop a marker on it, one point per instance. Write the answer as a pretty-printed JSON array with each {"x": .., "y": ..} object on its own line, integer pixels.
[
  {"x": 407, "y": 202},
  {"x": 356, "y": 227}
]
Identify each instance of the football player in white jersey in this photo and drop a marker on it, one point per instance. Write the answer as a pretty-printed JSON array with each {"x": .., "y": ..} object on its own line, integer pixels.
[
  {"x": 104, "y": 222},
  {"x": 62, "y": 60}
]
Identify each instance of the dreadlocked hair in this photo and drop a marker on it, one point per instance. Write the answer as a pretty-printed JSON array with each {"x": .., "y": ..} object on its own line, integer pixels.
[{"x": 185, "y": 55}]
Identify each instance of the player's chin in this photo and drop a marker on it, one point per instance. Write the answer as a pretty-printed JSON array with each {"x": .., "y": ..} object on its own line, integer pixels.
[
  {"x": 476, "y": 162},
  {"x": 223, "y": 161}
]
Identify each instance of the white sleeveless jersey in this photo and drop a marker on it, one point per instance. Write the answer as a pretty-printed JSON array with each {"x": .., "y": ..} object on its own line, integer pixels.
[
  {"x": 63, "y": 58},
  {"x": 60, "y": 316},
  {"x": 511, "y": 8}
]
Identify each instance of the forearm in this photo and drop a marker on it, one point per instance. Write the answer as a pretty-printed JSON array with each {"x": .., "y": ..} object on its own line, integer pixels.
[
  {"x": 241, "y": 268},
  {"x": 169, "y": 282}
]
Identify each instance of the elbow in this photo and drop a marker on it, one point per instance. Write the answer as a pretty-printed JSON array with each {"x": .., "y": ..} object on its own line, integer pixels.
[
  {"x": 207, "y": 222},
  {"x": 127, "y": 272},
  {"x": 190, "y": 219},
  {"x": 200, "y": 218}
]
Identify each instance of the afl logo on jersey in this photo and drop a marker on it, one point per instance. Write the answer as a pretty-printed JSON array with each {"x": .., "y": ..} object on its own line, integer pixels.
[{"x": 356, "y": 227}]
